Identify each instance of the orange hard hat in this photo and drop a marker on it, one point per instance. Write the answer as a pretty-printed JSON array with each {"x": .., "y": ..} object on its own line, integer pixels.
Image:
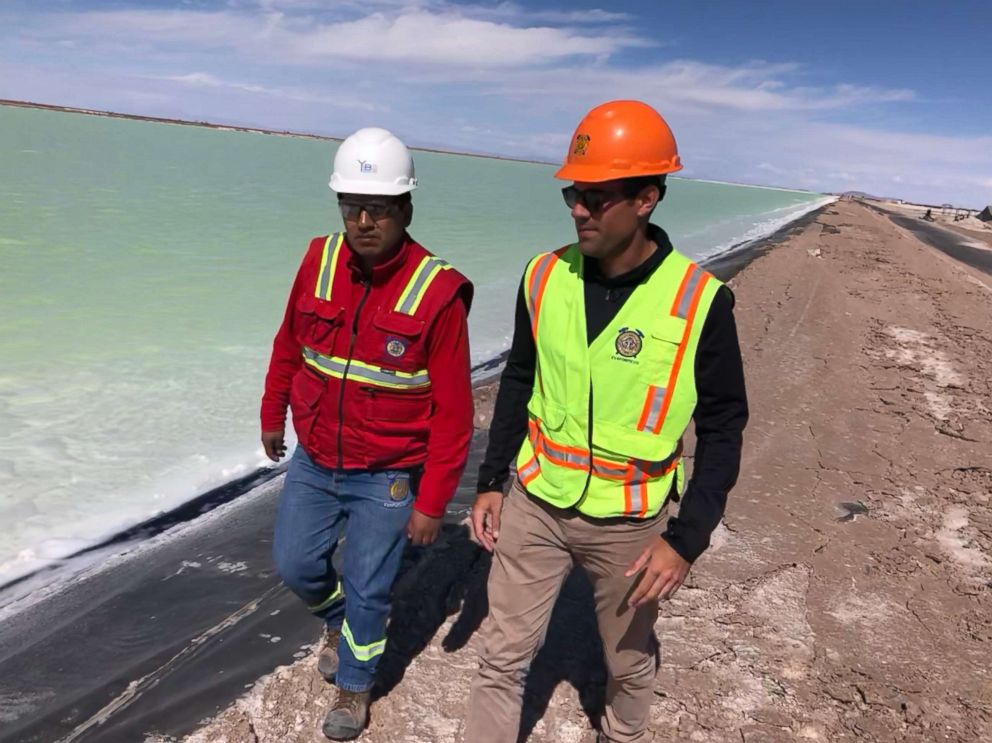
[{"x": 620, "y": 139}]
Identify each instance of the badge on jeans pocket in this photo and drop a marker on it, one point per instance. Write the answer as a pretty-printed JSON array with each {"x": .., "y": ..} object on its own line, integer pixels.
[{"x": 399, "y": 489}]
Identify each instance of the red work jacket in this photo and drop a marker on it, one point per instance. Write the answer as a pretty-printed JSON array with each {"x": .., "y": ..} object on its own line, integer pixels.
[{"x": 376, "y": 369}]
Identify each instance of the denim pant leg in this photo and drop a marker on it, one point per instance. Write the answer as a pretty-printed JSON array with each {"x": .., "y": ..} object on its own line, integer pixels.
[
  {"x": 309, "y": 523},
  {"x": 379, "y": 507}
]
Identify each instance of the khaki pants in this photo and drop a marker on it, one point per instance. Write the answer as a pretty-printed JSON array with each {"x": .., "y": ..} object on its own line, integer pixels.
[{"x": 537, "y": 546}]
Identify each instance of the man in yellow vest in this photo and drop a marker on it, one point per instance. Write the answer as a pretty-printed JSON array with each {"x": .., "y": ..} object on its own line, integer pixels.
[{"x": 620, "y": 342}]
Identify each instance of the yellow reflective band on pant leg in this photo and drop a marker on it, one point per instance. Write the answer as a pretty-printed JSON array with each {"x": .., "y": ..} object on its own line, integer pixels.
[
  {"x": 362, "y": 652},
  {"x": 338, "y": 593}
]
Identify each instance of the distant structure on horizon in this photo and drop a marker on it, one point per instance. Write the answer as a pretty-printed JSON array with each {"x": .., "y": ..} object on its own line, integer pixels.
[{"x": 959, "y": 212}]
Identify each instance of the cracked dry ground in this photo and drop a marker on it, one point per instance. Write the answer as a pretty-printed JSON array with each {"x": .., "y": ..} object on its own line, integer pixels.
[{"x": 846, "y": 597}]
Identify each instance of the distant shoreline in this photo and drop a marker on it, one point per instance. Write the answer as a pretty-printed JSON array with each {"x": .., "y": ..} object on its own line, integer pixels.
[
  {"x": 325, "y": 138},
  {"x": 250, "y": 129}
]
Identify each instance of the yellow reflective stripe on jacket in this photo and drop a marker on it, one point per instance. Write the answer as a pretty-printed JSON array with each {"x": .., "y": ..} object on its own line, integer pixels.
[
  {"x": 362, "y": 652},
  {"x": 328, "y": 265},
  {"x": 359, "y": 371},
  {"x": 416, "y": 288},
  {"x": 338, "y": 593}
]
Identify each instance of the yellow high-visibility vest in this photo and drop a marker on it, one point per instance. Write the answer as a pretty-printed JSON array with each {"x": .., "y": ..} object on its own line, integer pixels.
[{"x": 606, "y": 419}]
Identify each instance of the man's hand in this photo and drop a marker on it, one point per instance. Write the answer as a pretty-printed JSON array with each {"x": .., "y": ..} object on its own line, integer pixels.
[
  {"x": 664, "y": 570},
  {"x": 422, "y": 529},
  {"x": 486, "y": 513},
  {"x": 275, "y": 444}
]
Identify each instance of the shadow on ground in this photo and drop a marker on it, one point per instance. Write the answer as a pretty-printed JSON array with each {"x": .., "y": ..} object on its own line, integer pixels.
[{"x": 449, "y": 578}]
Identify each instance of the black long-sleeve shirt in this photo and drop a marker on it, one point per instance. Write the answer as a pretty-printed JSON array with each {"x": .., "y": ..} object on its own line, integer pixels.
[{"x": 721, "y": 408}]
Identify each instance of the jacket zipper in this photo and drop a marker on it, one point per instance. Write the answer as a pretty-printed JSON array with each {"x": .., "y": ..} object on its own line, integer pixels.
[{"x": 347, "y": 367}]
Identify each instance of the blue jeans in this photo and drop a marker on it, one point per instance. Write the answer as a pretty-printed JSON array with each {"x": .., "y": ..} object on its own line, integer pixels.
[{"x": 318, "y": 507}]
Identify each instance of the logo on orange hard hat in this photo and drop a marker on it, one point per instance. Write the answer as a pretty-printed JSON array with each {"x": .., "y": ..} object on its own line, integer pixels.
[{"x": 632, "y": 140}]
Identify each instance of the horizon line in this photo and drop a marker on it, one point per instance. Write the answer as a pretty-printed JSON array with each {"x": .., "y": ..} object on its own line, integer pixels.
[{"x": 331, "y": 138}]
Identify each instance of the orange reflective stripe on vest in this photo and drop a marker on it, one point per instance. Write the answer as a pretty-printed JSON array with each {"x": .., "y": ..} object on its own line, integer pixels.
[
  {"x": 634, "y": 473},
  {"x": 686, "y": 302},
  {"x": 538, "y": 283}
]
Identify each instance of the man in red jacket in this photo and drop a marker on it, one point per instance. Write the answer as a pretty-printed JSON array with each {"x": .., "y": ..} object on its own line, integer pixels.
[{"x": 373, "y": 360}]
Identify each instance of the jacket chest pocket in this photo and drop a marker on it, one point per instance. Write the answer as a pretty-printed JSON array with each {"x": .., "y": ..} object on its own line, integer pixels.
[
  {"x": 394, "y": 341},
  {"x": 317, "y": 323}
]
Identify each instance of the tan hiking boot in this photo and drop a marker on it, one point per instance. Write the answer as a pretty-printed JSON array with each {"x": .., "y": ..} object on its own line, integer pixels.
[
  {"x": 349, "y": 715},
  {"x": 327, "y": 663}
]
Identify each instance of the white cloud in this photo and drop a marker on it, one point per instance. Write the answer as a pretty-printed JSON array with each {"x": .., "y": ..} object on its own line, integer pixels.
[
  {"x": 447, "y": 39},
  {"x": 832, "y": 157},
  {"x": 689, "y": 84},
  {"x": 411, "y": 35},
  {"x": 564, "y": 17},
  {"x": 206, "y": 80},
  {"x": 437, "y": 43},
  {"x": 506, "y": 11},
  {"x": 500, "y": 78}
]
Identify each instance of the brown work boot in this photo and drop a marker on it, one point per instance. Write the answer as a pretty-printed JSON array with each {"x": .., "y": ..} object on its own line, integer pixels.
[
  {"x": 327, "y": 663},
  {"x": 349, "y": 715}
]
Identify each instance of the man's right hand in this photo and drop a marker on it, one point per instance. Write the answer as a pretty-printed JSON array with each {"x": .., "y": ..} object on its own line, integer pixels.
[
  {"x": 274, "y": 443},
  {"x": 486, "y": 513}
]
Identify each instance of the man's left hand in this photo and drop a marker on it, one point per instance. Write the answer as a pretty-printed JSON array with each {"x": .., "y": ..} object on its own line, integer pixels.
[
  {"x": 422, "y": 529},
  {"x": 664, "y": 570}
]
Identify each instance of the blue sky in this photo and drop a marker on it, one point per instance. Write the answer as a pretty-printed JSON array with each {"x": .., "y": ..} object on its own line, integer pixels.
[{"x": 894, "y": 98}]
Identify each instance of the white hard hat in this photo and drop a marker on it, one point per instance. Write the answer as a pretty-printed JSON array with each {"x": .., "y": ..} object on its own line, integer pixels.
[{"x": 373, "y": 161}]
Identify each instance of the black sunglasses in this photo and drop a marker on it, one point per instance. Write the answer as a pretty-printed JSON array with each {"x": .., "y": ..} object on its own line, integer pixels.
[{"x": 593, "y": 199}]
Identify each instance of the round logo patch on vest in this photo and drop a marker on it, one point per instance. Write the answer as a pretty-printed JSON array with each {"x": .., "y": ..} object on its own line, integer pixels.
[
  {"x": 395, "y": 347},
  {"x": 629, "y": 342},
  {"x": 399, "y": 489}
]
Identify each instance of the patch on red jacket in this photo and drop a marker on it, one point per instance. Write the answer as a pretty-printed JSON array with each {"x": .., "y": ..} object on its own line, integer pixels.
[{"x": 395, "y": 347}]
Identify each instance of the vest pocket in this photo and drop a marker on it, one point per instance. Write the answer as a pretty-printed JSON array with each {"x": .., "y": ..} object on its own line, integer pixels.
[
  {"x": 318, "y": 322},
  {"x": 393, "y": 405},
  {"x": 394, "y": 342},
  {"x": 660, "y": 350},
  {"x": 551, "y": 415},
  {"x": 304, "y": 399},
  {"x": 627, "y": 443}
]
